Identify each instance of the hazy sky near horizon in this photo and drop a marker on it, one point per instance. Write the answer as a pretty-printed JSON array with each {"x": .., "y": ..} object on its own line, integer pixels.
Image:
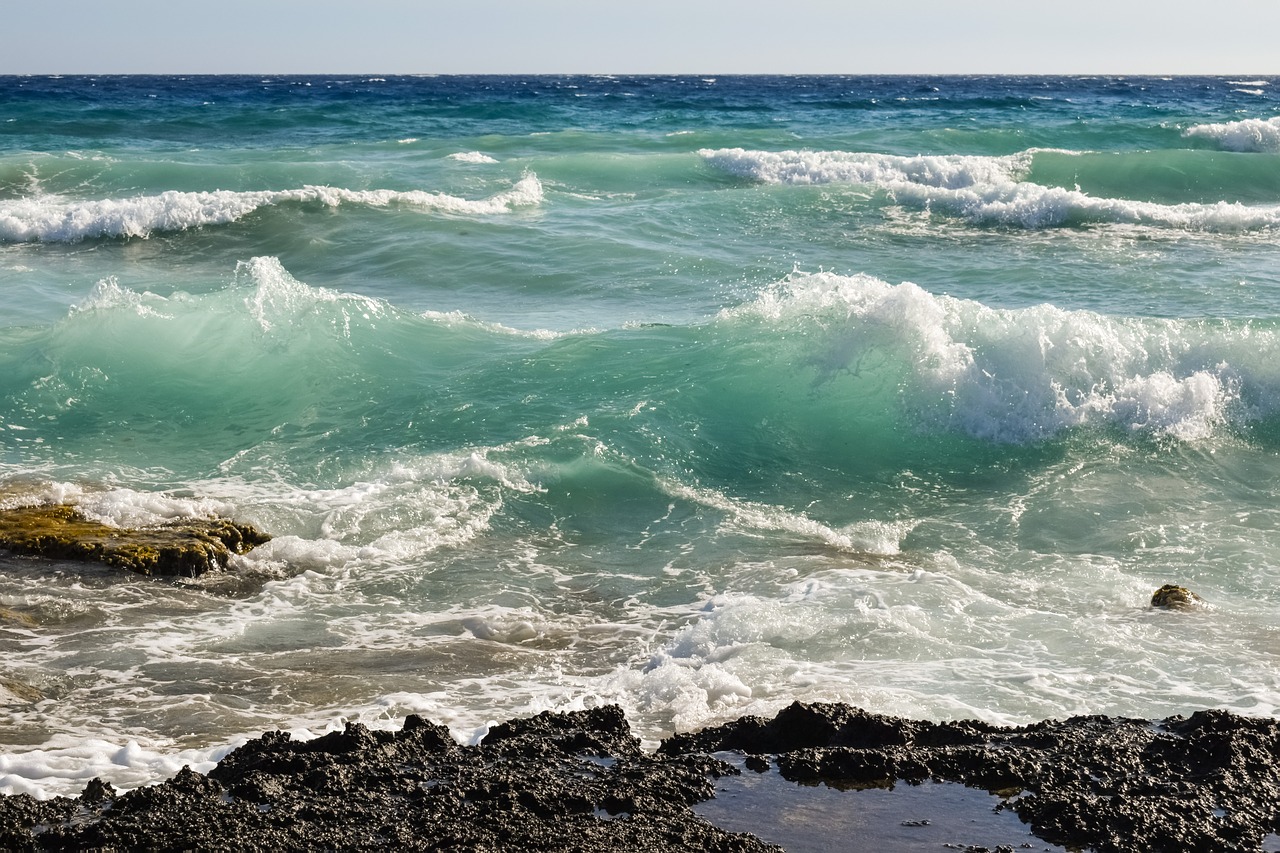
[{"x": 654, "y": 36}]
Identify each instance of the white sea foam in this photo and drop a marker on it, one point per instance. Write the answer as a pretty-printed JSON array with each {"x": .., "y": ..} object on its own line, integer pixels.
[
  {"x": 983, "y": 190},
  {"x": 873, "y": 538},
  {"x": 457, "y": 318},
  {"x": 1251, "y": 134},
  {"x": 120, "y": 506},
  {"x": 400, "y": 513},
  {"x": 280, "y": 299},
  {"x": 1021, "y": 375},
  {"x": 63, "y": 220},
  {"x": 109, "y": 295},
  {"x": 827, "y": 167},
  {"x": 477, "y": 157},
  {"x": 66, "y": 762},
  {"x": 63, "y": 766}
]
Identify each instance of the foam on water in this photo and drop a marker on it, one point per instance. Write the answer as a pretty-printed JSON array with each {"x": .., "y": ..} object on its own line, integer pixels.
[
  {"x": 118, "y": 507},
  {"x": 1251, "y": 134},
  {"x": 478, "y": 157},
  {"x": 1024, "y": 375},
  {"x": 827, "y": 167},
  {"x": 985, "y": 190},
  {"x": 62, "y": 220},
  {"x": 875, "y": 538}
]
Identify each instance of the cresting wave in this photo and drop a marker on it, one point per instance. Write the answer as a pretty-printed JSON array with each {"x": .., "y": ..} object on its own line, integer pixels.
[
  {"x": 813, "y": 355},
  {"x": 1251, "y": 134},
  {"x": 1023, "y": 375},
  {"x": 56, "y": 219},
  {"x": 983, "y": 190}
]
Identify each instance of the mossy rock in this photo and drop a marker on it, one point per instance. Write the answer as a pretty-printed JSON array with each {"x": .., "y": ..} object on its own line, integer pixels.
[
  {"x": 19, "y": 690},
  {"x": 187, "y": 547},
  {"x": 1174, "y": 597},
  {"x": 14, "y": 617}
]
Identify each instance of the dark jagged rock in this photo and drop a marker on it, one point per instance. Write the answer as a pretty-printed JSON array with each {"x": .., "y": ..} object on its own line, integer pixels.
[
  {"x": 564, "y": 782},
  {"x": 186, "y": 547},
  {"x": 1209, "y": 782},
  {"x": 579, "y": 782}
]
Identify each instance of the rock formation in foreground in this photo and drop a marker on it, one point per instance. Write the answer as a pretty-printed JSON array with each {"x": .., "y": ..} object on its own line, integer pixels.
[{"x": 579, "y": 782}]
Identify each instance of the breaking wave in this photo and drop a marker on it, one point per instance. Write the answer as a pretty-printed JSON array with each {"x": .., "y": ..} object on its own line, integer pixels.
[
  {"x": 1251, "y": 134},
  {"x": 984, "y": 190},
  {"x": 58, "y": 220}
]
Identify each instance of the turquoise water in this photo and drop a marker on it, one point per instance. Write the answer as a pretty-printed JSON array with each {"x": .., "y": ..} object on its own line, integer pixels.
[{"x": 697, "y": 395}]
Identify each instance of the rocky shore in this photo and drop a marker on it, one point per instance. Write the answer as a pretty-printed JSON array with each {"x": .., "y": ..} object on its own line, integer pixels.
[
  {"x": 186, "y": 547},
  {"x": 580, "y": 782}
]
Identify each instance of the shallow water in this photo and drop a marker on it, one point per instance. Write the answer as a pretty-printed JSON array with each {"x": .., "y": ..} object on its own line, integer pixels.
[{"x": 901, "y": 819}]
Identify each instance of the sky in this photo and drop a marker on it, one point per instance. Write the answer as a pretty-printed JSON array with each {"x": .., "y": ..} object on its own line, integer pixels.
[{"x": 640, "y": 37}]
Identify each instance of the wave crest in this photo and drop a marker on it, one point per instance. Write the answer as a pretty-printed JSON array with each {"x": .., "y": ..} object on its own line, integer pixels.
[
  {"x": 1250, "y": 135},
  {"x": 53, "y": 219},
  {"x": 984, "y": 190},
  {"x": 1019, "y": 375},
  {"x": 827, "y": 167}
]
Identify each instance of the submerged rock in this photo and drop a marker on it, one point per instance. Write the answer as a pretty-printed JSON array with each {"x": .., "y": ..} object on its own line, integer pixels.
[
  {"x": 185, "y": 547},
  {"x": 1174, "y": 597}
]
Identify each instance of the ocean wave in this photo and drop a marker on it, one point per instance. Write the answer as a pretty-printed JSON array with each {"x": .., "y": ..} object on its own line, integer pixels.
[
  {"x": 817, "y": 372},
  {"x": 829, "y": 167},
  {"x": 1020, "y": 375},
  {"x": 56, "y": 219},
  {"x": 985, "y": 190},
  {"x": 1250, "y": 135},
  {"x": 478, "y": 157}
]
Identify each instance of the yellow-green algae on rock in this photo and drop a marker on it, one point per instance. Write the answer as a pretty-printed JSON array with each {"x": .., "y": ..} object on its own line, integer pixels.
[
  {"x": 186, "y": 547},
  {"x": 1174, "y": 597}
]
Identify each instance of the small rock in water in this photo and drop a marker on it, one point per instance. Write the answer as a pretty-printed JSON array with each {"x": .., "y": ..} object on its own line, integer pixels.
[{"x": 1174, "y": 597}]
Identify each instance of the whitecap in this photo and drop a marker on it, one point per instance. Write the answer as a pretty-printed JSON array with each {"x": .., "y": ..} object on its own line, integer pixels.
[
  {"x": 984, "y": 190},
  {"x": 1018, "y": 375},
  {"x": 472, "y": 157},
  {"x": 826, "y": 167},
  {"x": 61, "y": 220},
  {"x": 1251, "y": 134}
]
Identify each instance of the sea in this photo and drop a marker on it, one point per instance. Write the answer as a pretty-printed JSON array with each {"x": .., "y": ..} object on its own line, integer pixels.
[{"x": 698, "y": 395}]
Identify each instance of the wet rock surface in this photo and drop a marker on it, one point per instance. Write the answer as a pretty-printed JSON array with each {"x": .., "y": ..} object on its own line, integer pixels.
[
  {"x": 579, "y": 782},
  {"x": 183, "y": 548},
  {"x": 566, "y": 782},
  {"x": 1174, "y": 597},
  {"x": 1208, "y": 782}
]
